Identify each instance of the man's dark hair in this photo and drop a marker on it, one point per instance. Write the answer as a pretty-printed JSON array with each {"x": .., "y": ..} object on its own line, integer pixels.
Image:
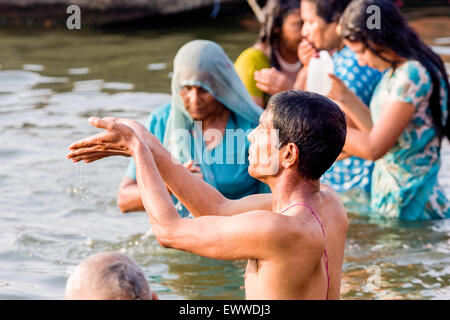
[
  {"x": 330, "y": 10},
  {"x": 314, "y": 123}
]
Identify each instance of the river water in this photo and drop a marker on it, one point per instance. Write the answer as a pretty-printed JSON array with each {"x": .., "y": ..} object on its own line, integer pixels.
[{"x": 53, "y": 214}]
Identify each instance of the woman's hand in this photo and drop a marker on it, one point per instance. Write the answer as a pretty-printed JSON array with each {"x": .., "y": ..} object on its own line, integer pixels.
[
  {"x": 119, "y": 139},
  {"x": 357, "y": 112},
  {"x": 306, "y": 52},
  {"x": 195, "y": 170},
  {"x": 339, "y": 91},
  {"x": 272, "y": 81}
]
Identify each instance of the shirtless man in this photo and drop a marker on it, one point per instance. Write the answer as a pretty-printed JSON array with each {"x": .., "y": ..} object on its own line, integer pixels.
[{"x": 294, "y": 238}]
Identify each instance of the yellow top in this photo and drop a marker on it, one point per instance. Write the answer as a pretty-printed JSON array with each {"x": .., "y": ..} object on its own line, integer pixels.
[{"x": 249, "y": 61}]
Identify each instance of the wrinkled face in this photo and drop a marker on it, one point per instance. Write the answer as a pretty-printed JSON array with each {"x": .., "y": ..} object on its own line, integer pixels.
[
  {"x": 320, "y": 34},
  {"x": 367, "y": 57},
  {"x": 198, "y": 102},
  {"x": 291, "y": 32},
  {"x": 264, "y": 156}
]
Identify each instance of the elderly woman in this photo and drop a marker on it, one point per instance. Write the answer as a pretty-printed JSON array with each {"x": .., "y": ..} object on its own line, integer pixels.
[{"x": 205, "y": 125}]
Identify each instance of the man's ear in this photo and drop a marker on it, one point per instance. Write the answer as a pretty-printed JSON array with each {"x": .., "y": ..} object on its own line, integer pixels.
[{"x": 290, "y": 155}]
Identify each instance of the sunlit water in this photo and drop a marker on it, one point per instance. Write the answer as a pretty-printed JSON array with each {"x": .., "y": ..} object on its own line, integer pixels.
[{"x": 53, "y": 214}]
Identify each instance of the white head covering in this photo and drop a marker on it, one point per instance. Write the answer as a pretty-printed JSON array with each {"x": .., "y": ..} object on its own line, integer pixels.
[{"x": 203, "y": 63}]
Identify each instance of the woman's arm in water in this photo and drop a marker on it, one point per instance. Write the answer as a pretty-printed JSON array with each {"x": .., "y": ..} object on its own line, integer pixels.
[
  {"x": 384, "y": 134},
  {"x": 128, "y": 197},
  {"x": 351, "y": 104}
]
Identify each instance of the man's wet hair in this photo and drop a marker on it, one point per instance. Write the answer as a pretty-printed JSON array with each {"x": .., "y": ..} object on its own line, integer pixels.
[
  {"x": 330, "y": 10},
  {"x": 129, "y": 277},
  {"x": 314, "y": 123}
]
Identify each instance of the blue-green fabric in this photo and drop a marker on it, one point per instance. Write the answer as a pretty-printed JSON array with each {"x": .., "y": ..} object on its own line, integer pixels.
[
  {"x": 203, "y": 63},
  {"x": 404, "y": 181}
]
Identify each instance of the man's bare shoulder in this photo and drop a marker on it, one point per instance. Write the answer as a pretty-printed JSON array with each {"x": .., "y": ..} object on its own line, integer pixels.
[
  {"x": 275, "y": 223},
  {"x": 333, "y": 204},
  {"x": 283, "y": 229},
  {"x": 331, "y": 196},
  {"x": 261, "y": 201},
  {"x": 325, "y": 187},
  {"x": 302, "y": 242}
]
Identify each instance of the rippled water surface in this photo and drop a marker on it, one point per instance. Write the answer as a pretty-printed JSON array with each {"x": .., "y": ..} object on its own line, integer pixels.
[{"x": 53, "y": 214}]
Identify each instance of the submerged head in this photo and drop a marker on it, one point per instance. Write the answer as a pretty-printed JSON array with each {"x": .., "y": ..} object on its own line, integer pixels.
[
  {"x": 108, "y": 276},
  {"x": 300, "y": 131},
  {"x": 320, "y": 19}
]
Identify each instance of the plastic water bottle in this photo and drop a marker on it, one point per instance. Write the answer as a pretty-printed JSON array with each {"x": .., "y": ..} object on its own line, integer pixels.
[{"x": 318, "y": 80}]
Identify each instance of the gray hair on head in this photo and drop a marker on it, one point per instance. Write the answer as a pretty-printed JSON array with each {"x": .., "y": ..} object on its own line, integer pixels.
[
  {"x": 108, "y": 276},
  {"x": 130, "y": 279}
]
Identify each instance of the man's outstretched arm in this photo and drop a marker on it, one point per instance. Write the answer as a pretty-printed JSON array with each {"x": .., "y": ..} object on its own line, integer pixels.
[
  {"x": 198, "y": 197},
  {"x": 257, "y": 234}
]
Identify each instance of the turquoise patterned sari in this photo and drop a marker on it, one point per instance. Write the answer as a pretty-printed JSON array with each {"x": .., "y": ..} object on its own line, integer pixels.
[{"x": 404, "y": 181}]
